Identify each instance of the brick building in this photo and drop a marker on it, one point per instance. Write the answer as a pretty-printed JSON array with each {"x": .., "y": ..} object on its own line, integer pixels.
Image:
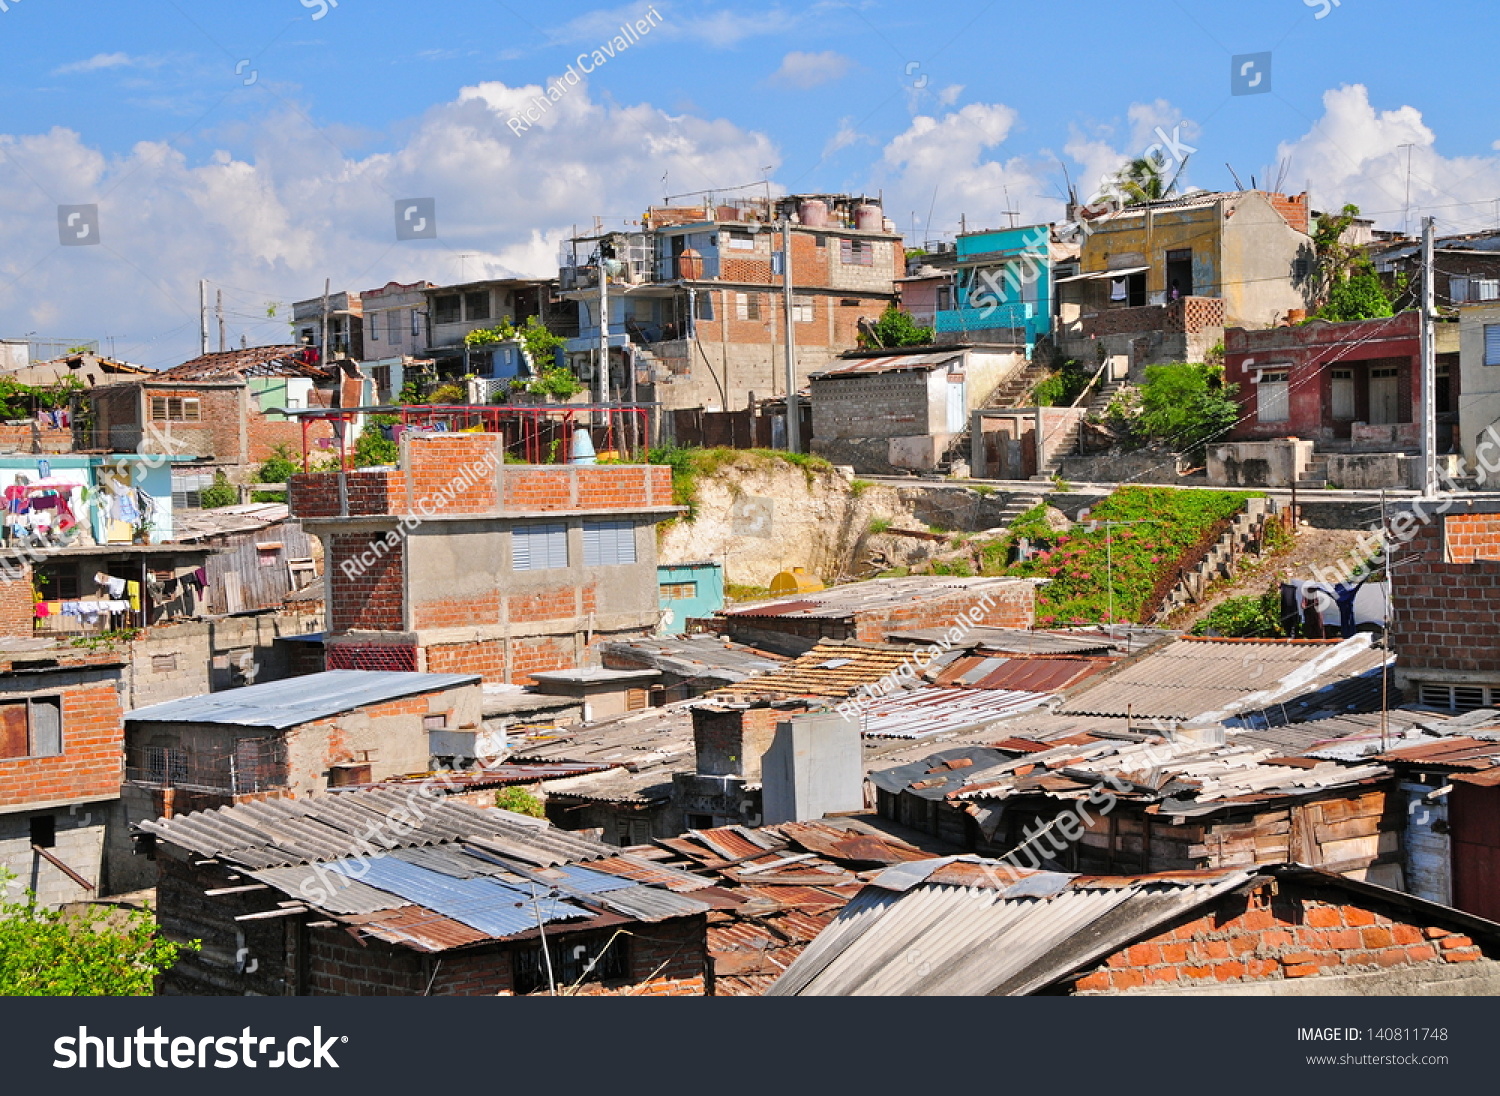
[
  {"x": 458, "y": 562},
  {"x": 980, "y": 929},
  {"x": 697, "y": 309},
  {"x": 867, "y": 611},
  {"x": 379, "y": 893},
  {"x": 1350, "y": 385},
  {"x": 60, "y": 753},
  {"x": 220, "y": 407},
  {"x": 1444, "y": 587}
]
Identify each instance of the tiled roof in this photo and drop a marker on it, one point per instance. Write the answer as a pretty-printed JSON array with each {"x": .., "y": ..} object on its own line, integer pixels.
[{"x": 255, "y": 361}]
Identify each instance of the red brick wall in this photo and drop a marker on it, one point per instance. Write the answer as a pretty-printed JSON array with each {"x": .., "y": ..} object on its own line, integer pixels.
[
  {"x": 1011, "y": 606},
  {"x": 666, "y": 959},
  {"x": 486, "y": 658},
  {"x": 1276, "y": 938},
  {"x": 93, "y": 734},
  {"x": 539, "y": 655},
  {"x": 370, "y": 600},
  {"x": 1295, "y": 209},
  {"x": 1443, "y": 618},
  {"x": 17, "y": 607},
  {"x": 436, "y": 462}
]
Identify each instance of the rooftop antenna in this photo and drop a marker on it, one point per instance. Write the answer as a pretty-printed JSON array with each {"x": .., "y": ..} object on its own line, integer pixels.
[
  {"x": 1286, "y": 165},
  {"x": 1011, "y": 213},
  {"x": 1238, "y": 185},
  {"x": 1406, "y": 206}
]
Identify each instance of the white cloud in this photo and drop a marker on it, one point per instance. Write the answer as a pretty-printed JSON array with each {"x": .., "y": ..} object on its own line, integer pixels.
[
  {"x": 287, "y": 208},
  {"x": 809, "y": 70},
  {"x": 720, "y": 29},
  {"x": 846, "y": 136},
  {"x": 949, "y": 95},
  {"x": 1354, "y": 154},
  {"x": 102, "y": 61}
]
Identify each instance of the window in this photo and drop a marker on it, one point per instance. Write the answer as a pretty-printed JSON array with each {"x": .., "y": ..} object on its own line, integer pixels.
[
  {"x": 857, "y": 252},
  {"x": 802, "y": 309},
  {"x": 44, "y": 831},
  {"x": 820, "y": 240},
  {"x": 477, "y": 305},
  {"x": 1492, "y": 344},
  {"x": 574, "y": 959},
  {"x": 539, "y": 547},
  {"x": 163, "y": 664},
  {"x": 704, "y": 306},
  {"x": 739, "y": 240},
  {"x": 679, "y": 591},
  {"x": 393, "y": 325},
  {"x": 747, "y": 306},
  {"x": 632, "y": 831},
  {"x": 446, "y": 309},
  {"x": 255, "y": 766},
  {"x": 374, "y": 328},
  {"x": 416, "y": 323},
  {"x": 1272, "y": 402},
  {"x": 175, "y": 409},
  {"x": 186, "y": 487},
  {"x": 608, "y": 543},
  {"x": 166, "y": 766},
  {"x": 1463, "y": 290},
  {"x": 438, "y": 722},
  {"x": 31, "y": 728},
  {"x": 1457, "y": 698}
]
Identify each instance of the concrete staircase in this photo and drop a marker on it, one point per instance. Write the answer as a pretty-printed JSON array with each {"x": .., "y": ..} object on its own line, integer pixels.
[
  {"x": 1015, "y": 390},
  {"x": 1248, "y": 528},
  {"x": 1017, "y": 505},
  {"x": 1315, "y": 476}
]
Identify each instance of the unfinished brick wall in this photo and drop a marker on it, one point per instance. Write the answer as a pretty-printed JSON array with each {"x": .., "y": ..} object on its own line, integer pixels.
[
  {"x": 483, "y": 657},
  {"x": 539, "y": 655},
  {"x": 1263, "y": 937},
  {"x": 365, "y": 597},
  {"x": 17, "y": 605},
  {"x": 1443, "y": 618},
  {"x": 372, "y": 656},
  {"x": 93, "y": 739}
]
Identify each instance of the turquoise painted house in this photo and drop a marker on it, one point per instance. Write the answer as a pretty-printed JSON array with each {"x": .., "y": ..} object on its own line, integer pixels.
[
  {"x": 688, "y": 590},
  {"x": 1003, "y": 283}
]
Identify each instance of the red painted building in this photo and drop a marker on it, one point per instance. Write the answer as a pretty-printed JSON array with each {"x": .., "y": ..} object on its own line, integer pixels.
[{"x": 1356, "y": 383}]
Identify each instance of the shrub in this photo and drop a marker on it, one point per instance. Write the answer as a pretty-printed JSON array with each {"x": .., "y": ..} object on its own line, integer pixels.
[
  {"x": 879, "y": 525},
  {"x": 519, "y": 801},
  {"x": 372, "y": 448},
  {"x": 896, "y": 328},
  {"x": 1186, "y": 405},
  {"x": 1256, "y": 616},
  {"x": 222, "y": 493}
]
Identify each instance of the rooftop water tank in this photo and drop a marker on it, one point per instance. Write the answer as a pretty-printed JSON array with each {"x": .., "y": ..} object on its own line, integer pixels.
[
  {"x": 814, "y": 213},
  {"x": 869, "y": 218},
  {"x": 795, "y": 581}
]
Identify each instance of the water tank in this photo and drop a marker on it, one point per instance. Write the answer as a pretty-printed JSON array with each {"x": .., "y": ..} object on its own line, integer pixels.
[
  {"x": 869, "y": 218},
  {"x": 890, "y": 227},
  {"x": 795, "y": 581},
  {"x": 813, "y": 213},
  {"x": 690, "y": 265}
]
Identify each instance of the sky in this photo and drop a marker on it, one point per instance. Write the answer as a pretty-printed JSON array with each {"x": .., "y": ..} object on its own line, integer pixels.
[{"x": 263, "y": 145}]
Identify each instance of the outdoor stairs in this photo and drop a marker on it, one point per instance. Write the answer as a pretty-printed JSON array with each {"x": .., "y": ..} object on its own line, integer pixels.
[
  {"x": 1247, "y": 529},
  {"x": 1015, "y": 391},
  {"x": 1069, "y": 443},
  {"x": 1315, "y": 475}
]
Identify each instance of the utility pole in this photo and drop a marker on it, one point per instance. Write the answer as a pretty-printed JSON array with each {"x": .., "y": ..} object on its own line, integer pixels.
[
  {"x": 202, "y": 316},
  {"x": 1429, "y": 364},
  {"x": 601, "y": 380},
  {"x": 793, "y": 421},
  {"x": 323, "y": 345},
  {"x": 1406, "y": 205},
  {"x": 219, "y": 312}
]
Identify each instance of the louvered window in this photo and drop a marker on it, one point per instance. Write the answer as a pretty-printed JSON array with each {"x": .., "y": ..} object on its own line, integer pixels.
[
  {"x": 1492, "y": 344},
  {"x": 539, "y": 547},
  {"x": 608, "y": 543},
  {"x": 1456, "y": 698}
]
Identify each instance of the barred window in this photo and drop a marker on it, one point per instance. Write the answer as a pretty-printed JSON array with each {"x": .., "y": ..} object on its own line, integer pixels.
[{"x": 574, "y": 961}]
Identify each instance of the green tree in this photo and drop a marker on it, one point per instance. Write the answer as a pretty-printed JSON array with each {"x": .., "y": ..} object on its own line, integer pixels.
[
  {"x": 372, "y": 448},
  {"x": 896, "y": 328},
  {"x": 1186, "y": 405},
  {"x": 1345, "y": 285},
  {"x": 1144, "y": 179},
  {"x": 221, "y": 493},
  {"x": 99, "y": 953}
]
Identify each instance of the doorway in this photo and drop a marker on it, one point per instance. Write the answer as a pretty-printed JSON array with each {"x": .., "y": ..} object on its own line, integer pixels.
[{"x": 1383, "y": 396}]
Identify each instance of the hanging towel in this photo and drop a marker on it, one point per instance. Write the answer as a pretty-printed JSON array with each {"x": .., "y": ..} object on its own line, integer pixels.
[
  {"x": 43, "y": 610},
  {"x": 133, "y": 595},
  {"x": 202, "y": 576},
  {"x": 116, "y": 587}
]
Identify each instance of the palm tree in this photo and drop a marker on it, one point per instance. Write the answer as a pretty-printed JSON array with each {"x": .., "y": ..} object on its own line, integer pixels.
[{"x": 1143, "y": 180}]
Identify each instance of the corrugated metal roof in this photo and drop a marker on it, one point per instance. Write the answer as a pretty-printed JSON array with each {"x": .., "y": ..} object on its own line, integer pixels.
[
  {"x": 922, "y": 713},
  {"x": 255, "y": 361},
  {"x": 282, "y": 704},
  {"x": 890, "y": 363},
  {"x": 876, "y": 595},
  {"x": 1032, "y": 675},
  {"x": 706, "y": 657},
  {"x": 1209, "y": 679},
  {"x": 1014, "y": 640},
  {"x": 830, "y": 670},
  {"x": 1011, "y": 939}
]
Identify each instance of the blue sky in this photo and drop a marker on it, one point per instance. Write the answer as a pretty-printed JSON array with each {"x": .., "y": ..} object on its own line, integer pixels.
[{"x": 262, "y": 144}]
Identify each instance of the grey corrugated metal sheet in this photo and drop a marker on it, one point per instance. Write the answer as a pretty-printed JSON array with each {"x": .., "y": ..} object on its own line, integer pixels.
[
  {"x": 643, "y": 903},
  {"x": 936, "y": 939},
  {"x": 924, "y": 712},
  {"x": 890, "y": 363},
  {"x": 1195, "y": 678},
  {"x": 282, "y": 704},
  {"x": 329, "y": 890}
]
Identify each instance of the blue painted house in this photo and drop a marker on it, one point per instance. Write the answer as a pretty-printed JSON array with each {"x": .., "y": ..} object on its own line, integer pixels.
[
  {"x": 1002, "y": 289},
  {"x": 689, "y": 590}
]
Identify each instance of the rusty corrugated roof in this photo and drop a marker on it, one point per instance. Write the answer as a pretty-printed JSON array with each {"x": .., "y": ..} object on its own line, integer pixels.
[
  {"x": 830, "y": 670},
  {"x": 1032, "y": 675}
]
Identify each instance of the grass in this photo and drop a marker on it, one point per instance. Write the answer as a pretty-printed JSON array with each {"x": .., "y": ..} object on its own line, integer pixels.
[
  {"x": 1079, "y": 563},
  {"x": 879, "y": 525},
  {"x": 858, "y": 487},
  {"x": 735, "y": 591},
  {"x": 692, "y": 465},
  {"x": 983, "y": 490},
  {"x": 953, "y": 568}
]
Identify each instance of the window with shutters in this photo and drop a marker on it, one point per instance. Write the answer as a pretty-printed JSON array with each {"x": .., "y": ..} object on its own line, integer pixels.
[
  {"x": 1492, "y": 344},
  {"x": 186, "y": 488},
  {"x": 1272, "y": 402},
  {"x": 802, "y": 309},
  {"x": 857, "y": 252},
  {"x": 1457, "y": 698},
  {"x": 739, "y": 240},
  {"x": 747, "y": 306},
  {"x": 393, "y": 325},
  {"x": 679, "y": 591},
  {"x": 539, "y": 547},
  {"x": 174, "y": 409},
  {"x": 31, "y": 728},
  {"x": 608, "y": 543}
]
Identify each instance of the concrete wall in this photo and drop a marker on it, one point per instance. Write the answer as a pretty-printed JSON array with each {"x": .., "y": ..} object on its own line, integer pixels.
[
  {"x": 1258, "y": 463},
  {"x": 1150, "y": 466},
  {"x": 80, "y": 833},
  {"x": 814, "y": 766},
  {"x": 171, "y": 661},
  {"x": 1480, "y": 407},
  {"x": 1258, "y": 253}
]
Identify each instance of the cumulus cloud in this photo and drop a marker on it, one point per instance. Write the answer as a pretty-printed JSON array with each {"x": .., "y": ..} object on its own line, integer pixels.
[
  {"x": 289, "y": 207},
  {"x": 1354, "y": 153},
  {"x": 809, "y": 70}
]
